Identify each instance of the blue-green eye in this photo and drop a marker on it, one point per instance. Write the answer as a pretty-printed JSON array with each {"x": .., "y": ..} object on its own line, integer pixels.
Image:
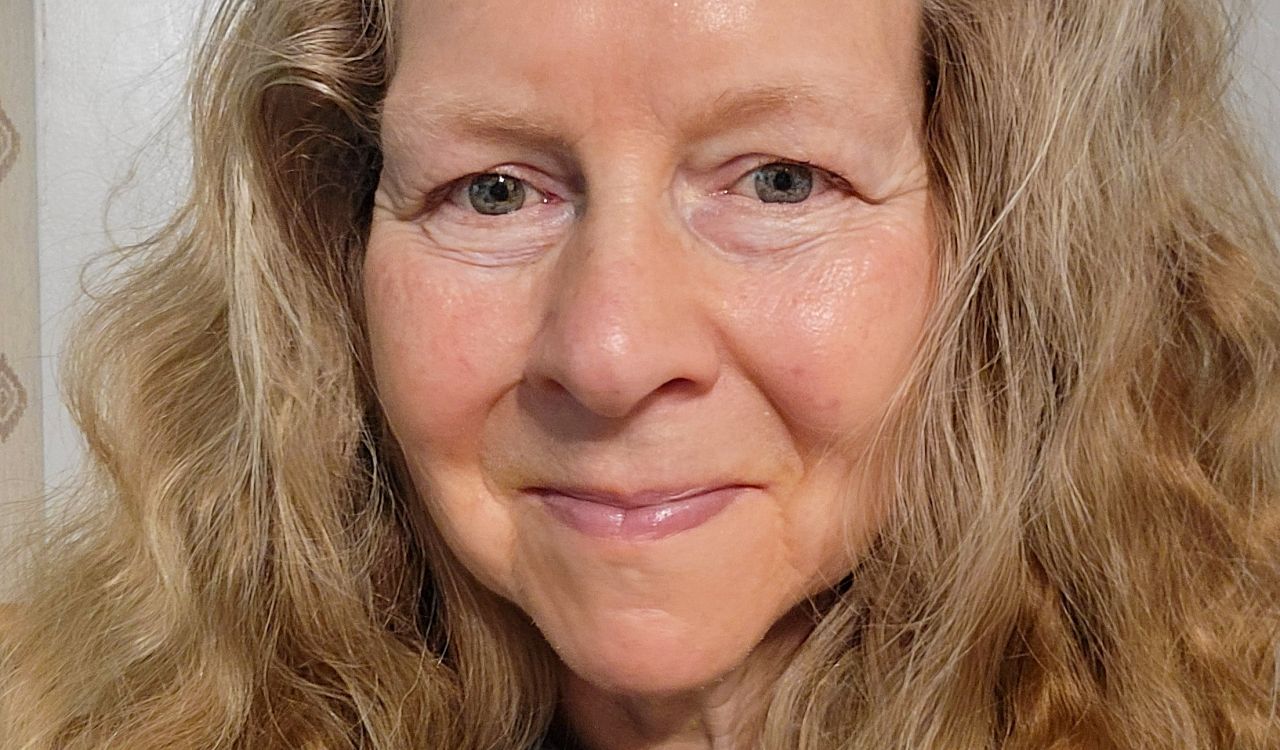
[
  {"x": 495, "y": 194},
  {"x": 783, "y": 182}
]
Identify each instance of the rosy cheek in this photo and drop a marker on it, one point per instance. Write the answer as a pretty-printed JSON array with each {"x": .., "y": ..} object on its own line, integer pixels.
[
  {"x": 432, "y": 356},
  {"x": 832, "y": 343},
  {"x": 814, "y": 395}
]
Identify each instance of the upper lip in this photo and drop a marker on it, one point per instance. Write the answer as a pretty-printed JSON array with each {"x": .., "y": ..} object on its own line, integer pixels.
[{"x": 638, "y": 499}]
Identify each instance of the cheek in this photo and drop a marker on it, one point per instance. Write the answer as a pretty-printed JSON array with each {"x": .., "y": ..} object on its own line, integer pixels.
[
  {"x": 833, "y": 342},
  {"x": 442, "y": 346},
  {"x": 441, "y": 349}
]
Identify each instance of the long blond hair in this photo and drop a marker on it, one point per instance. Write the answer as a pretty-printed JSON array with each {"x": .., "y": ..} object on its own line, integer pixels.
[{"x": 1084, "y": 544}]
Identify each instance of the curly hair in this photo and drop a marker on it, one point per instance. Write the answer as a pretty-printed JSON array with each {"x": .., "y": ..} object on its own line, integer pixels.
[{"x": 1083, "y": 547}]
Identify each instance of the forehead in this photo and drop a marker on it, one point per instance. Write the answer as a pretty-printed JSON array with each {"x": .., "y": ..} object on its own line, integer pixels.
[{"x": 581, "y": 62}]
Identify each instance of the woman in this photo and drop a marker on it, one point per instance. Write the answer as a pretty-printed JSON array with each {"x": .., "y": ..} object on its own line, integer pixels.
[{"x": 703, "y": 375}]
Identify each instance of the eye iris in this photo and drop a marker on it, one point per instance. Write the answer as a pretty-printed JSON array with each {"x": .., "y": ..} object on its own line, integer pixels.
[
  {"x": 494, "y": 194},
  {"x": 784, "y": 183}
]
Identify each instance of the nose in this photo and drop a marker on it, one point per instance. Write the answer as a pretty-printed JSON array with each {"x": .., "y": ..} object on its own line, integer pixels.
[{"x": 626, "y": 319}]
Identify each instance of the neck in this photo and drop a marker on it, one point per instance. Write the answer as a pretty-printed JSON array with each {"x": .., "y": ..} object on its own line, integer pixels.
[{"x": 727, "y": 714}]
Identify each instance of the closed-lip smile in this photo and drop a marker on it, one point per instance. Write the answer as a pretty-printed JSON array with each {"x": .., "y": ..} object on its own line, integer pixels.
[{"x": 645, "y": 515}]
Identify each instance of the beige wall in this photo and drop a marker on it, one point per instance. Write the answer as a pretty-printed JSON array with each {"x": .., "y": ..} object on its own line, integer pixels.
[
  {"x": 21, "y": 469},
  {"x": 1260, "y": 73}
]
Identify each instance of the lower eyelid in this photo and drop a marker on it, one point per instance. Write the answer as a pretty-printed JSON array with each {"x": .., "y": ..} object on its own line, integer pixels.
[{"x": 467, "y": 218}]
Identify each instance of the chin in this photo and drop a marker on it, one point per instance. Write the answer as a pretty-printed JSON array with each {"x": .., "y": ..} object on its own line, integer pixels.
[
  {"x": 653, "y": 661},
  {"x": 647, "y": 677}
]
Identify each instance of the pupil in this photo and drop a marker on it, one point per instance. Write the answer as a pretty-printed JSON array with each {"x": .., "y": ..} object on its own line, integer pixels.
[
  {"x": 782, "y": 182},
  {"x": 494, "y": 194}
]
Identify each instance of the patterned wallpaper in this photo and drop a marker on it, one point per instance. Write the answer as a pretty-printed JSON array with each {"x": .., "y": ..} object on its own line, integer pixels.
[
  {"x": 13, "y": 396},
  {"x": 21, "y": 442},
  {"x": 8, "y": 143},
  {"x": 13, "y": 399}
]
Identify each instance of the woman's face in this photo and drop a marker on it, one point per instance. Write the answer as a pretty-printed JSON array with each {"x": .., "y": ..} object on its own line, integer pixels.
[{"x": 632, "y": 267}]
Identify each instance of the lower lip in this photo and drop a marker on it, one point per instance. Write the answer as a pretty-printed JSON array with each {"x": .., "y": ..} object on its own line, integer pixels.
[{"x": 639, "y": 524}]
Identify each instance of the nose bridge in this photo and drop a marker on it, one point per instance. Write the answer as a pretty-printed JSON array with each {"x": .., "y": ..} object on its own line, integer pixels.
[{"x": 624, "y": 318}]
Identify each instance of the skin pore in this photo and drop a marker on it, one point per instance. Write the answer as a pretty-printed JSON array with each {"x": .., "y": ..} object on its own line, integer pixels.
[{"x": 634, "y": 247}]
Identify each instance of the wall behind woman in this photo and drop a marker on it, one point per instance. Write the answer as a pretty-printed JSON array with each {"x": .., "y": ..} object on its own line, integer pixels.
[
  {"x": 112, "y": 158},
  {"x": 1260, "y": 74},
  {"x": 21, "y": 473},
  {"x": 108, "y": 81}
]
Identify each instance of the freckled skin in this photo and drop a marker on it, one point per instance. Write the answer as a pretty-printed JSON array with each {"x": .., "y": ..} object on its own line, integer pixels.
[{"x": 645, "y": 321}]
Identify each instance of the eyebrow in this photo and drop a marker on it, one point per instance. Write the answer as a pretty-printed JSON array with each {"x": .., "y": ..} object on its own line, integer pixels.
[
  {"x": 490, "y": 123},
  {"x": 743, "y": 107},
  {"x": 485, "y": 121}
]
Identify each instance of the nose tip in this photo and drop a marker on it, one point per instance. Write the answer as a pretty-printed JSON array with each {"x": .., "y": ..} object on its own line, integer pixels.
[
  {"x": 625, "y": 323},
  {"x": 614, "y": 375}
]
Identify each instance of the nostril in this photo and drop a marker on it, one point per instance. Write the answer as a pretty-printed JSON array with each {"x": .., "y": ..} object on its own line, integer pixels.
[
  {"x": 682, "y": 387},
  {"x": 621, "y": 328}
]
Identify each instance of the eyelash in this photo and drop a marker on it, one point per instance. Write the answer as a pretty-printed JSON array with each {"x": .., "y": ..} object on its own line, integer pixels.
[
  {"x": 440, "y": 195},
  {"x": 437, "y": 197},
  {"x": 832, "y": 179}
]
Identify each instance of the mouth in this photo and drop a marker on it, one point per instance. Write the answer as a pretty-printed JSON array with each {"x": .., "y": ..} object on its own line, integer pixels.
[{"x": 641, "y": 516}]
